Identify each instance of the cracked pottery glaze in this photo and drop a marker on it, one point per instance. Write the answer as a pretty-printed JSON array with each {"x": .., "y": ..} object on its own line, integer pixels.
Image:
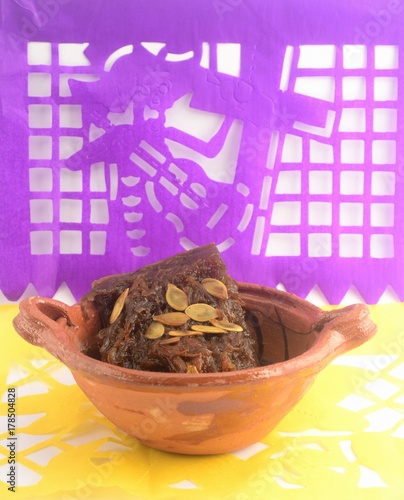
[{"x": 206, "y": 413}]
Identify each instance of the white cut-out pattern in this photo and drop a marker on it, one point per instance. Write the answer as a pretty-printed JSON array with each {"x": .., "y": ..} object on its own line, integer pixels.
[
  {"x": 220, "y": 168},
  {"x": 40, "y": 147},
  {"x": 287, "y": 65},
  {"x": 41, "y": 210},
  {"x": 381, "y": 246},
  {"x": 55, "y": 134},
  {"x": 71, "y": 210},
  {"x": 45, "y": 455},
  {"x": 123, "y": 51},
  {"x": 64, "y": 294},
  {"x": 16, "y": 373},
  {"x": 383, "y": 419},
  {"x": 33, "y": 387},
  {"x": 152, "y": 151},
  {"x": 286, "y": 213},
  {"x": 351, "y": 214},
  {"x": 39, "y": 84},
  {"x": 384, "y": 120},
  {"x": 283, "y": 244},
  {"x": 198, "y": 123},
  {"x": 41, "y": 242},
  {"x": 352, "y": 120},
  {"x": 265, "y": 192},
  {"x": 385, "y": 88},
  {"x": 72, "y": 54},
  {"x": 355, "y": 147},
  {"x": 389, "y": 296},
  {"x": 382, "y": 388},
  {"x": 228, "y": 55},
  {"x": 68, "y": 145},
  {"x": 353, "y": 88},
  {"x": 317, "y": 56},
  {"x": 273, "y": 146},
  {"x": 370, "y": 478},
  {"x": 351, "y": 245},
  {"x": 70, "y": 116},
  {"x": 354, "y": 56},
  {"x": 99, "y": 213},
  {"x": 71, "y": 181},
  {"x": 90, "y": 431},
  {"x": 179, "y": 57},
  {"x": 383, "y": 152},
  {"x": 97, "y": 177},
  {"x": 98, "y": 242},
  {"x": 319, "y": 245},
  {"x": 346, "y": 448},
  {"x": 40, "y": 116},
  {"x": 309, "y": 70},
  {"x": 205, "y": 57},
  {"x": 71, "y": 241},
  {"x": 320, "y": 213},
  {"x": 313, "y": 129},
  {"x": 292, "y": 149},
  {"x": 229, "y": 58},
  {"x": 320, "y": 182},
  {"x": 123, "y": 118},
  {"x": 386, "y": 57},
  {"x": 250, "y": 451},
  {"x": 258, "y": 236},
  {"x": 352, "y": 296},
  {"x": 28, "y": 477},
  {"x": 289, "y": 182},
  {"x": 320, "y": 152},
  {"x": 319, "y": 87},
  {"x": 153, "y": 47},
  {"x": 39, "y": 53},
  {"x": 184, "y": 485},
  {"x": 316, "y": 296},
  {"x": 286, "y": 484},
  {"x": 352, "y": 182},
  {"x": 355, "y": 402},
  {"x": 65, "y": 78}
]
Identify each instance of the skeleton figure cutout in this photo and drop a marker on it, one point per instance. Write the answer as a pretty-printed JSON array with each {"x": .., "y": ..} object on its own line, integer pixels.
[{"x": 168, "y": 163}]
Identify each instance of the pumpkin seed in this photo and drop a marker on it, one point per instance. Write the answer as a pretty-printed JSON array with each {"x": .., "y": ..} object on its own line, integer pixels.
[
  {"x": 183, "y": 333},
  {"x": 215, "y": 287},
  {"x": 118, "y": 306},
  {"x": 176, "y": 298},
  {"x": 230, "y": 327},
  {"x": 154, "y": 331},
  {"x": 191, "y": 368},
  {"x": 172, "y": 318},
  {"x": 201, "y": 312},
  {"x": 208, "y": 329},
  {"x": 172, "y": 340}
]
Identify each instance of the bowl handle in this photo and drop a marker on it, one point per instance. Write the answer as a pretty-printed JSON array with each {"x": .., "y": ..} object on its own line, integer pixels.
[
  {"x": 341, "y": 330},
  {"x": 353, "y": 323},
  {"x": 49, "y": 323}
]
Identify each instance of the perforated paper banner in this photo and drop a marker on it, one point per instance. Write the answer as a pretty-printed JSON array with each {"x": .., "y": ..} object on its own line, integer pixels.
[{"x": 132, "y": 130}]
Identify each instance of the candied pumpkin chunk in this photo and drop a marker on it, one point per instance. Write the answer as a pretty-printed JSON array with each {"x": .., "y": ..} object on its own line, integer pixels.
[{"x": 182, "y": 314}]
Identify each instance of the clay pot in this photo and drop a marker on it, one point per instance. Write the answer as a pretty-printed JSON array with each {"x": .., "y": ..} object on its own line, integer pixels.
[{"x": 204, "y": 413}]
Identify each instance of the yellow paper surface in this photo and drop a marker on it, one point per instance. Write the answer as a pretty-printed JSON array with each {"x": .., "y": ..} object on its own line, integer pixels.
[{"x": 344, "y": 439}]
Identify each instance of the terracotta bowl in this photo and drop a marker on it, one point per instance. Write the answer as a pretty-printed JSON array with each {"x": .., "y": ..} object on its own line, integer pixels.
[{"x": 211, "y": 412}]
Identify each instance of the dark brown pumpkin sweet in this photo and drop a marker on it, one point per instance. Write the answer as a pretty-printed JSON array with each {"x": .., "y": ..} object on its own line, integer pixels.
[{"x": 189, "y": 297}]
